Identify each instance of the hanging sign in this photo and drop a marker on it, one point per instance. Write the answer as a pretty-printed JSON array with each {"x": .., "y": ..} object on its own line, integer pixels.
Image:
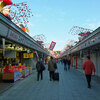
[{"x": 52, "y": 45}]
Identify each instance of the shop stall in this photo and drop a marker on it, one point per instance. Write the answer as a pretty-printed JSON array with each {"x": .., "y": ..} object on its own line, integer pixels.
[
  {"x": 15, "y": 73},
  {"x": 14, "y": 43}
]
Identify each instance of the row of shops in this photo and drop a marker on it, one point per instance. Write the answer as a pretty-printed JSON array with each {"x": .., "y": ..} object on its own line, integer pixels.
[
  {"x": 18, "y": 51},
  {"x": 89, "y": 46}
]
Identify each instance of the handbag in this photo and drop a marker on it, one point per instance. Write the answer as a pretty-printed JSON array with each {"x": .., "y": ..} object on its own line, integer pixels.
[{"x": 43, "y": 67}]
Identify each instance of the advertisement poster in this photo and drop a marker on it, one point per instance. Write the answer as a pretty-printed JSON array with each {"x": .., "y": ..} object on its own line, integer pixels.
[
  {"x": 17, "y": 75},
  {"x": 26, "y": 72}
]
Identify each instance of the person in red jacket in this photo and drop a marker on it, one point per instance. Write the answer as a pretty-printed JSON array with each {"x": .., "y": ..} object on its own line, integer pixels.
[{"x": 88, "y": 67}]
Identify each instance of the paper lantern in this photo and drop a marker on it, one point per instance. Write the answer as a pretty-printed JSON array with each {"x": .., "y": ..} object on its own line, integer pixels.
[
  {"x": 8, "y": 2},
  {"x": 67, "y": 45},
  {"x": 23, "y": 29},
  {"x": 34, "y": 52}
]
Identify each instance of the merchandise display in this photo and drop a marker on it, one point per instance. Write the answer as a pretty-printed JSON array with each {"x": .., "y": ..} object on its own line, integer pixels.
[
  {"x": 13, "y": 76},
  {"x": 16, "y": 72}
]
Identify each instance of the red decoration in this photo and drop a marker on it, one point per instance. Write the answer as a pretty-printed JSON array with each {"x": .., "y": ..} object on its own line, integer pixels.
[
  {"x": 52, "y": 45},
  {"x": 8, "y": 2},
  {"x": 6, "y": 68},
  {"x": 20, "y": 13},
  {"x": 34, "y": 52}
]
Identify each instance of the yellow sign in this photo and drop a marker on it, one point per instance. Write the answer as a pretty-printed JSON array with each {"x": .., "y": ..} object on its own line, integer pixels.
[{"x": 28, "y": 55}]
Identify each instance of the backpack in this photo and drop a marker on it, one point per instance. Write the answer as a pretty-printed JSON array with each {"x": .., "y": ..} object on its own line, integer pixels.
[{"x": 38, "y": 66}]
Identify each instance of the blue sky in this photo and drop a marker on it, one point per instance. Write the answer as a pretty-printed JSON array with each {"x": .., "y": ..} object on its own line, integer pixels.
[{"x": 55, "y": 18}]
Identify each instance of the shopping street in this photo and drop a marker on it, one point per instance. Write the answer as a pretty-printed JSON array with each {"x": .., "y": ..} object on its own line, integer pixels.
[{"x": 71, "y": 86}]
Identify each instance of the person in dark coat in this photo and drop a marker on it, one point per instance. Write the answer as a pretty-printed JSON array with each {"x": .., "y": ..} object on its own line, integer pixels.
[
  {"x": 69, "y": 62},
  {"x": 88, "y": 67},
  {"x": 65, "y": 63},
  {"x": 52, "y": 66},
  {"x": 39, "y": 67}
]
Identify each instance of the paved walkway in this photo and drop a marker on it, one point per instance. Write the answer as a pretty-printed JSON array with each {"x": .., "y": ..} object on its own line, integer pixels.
[
  {"x": 5, "y": 86},
  {"x": 71, "y": 86}
]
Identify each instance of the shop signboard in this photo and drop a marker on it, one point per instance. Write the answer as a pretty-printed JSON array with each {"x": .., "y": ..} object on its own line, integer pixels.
[
  {"x": 10, "y": 54},
  {"x": 15, "y": 36},
  {"x": 19, "y": 38},
  {"x": 27, "y": 55}
]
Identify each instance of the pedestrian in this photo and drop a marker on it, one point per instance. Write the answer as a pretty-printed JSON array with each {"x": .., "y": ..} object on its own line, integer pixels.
[
  {"x": 88, "y": 67},
  {"x": 69, "y": 62},
  {"x": 61, "y": 60},
  {"x": 40, "y": 68},
  {"x": 65, "y": 61},
  {"x": 52, "y": 66}
]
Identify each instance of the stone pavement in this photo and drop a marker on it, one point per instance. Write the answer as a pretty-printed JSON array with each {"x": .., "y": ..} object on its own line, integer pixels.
[
  {"x": 5, "y": 86},
  {"x": 71, "y": 86}
]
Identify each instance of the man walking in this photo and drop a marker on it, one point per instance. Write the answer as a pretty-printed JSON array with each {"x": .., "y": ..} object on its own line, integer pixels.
[
  {"x": 52, "y": 66},
  {"x": 40, "y": 67},
  {"x": 88, "y": 67},
  {"x": 65, "y": 61},
  {"x": 69, "y": 62}
]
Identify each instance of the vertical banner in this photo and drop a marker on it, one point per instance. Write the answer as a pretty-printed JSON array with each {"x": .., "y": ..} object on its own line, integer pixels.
[
  {"x": 37, "y": 54},
  {"x": 3, "y": 46},
  {"x": 52, "y": 45}
]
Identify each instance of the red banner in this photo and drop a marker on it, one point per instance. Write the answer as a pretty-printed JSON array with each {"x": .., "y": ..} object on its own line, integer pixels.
[{"x": 52, "y": 45}]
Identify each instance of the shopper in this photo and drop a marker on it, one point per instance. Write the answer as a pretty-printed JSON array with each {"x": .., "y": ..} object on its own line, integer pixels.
[
  {"x": 69, "y": 62},
  {"x": 40, "y": 68},
  {"x": 88, "y": 67},
  {"x": 52, "y": 66},
  {"x": 65, "y": 61}
]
